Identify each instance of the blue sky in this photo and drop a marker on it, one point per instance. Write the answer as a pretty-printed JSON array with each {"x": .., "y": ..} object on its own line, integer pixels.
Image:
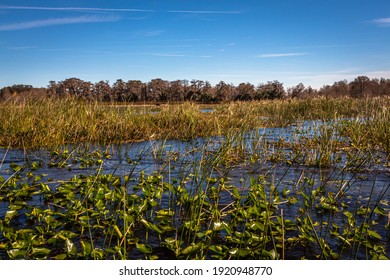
[{"x": 313, "y": 42}]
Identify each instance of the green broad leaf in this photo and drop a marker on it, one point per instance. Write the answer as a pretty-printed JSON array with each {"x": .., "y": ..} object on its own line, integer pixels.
[
  {"x": 15, "y": 207},
  {"x": 70, "y": 248},
  {"x": 16, "y": 253},
  {"x": 192, "y": 249},
  {"x": 236, "y": 252},
  {"x": 40, "y": 251},
  {"x": 9, "y": 215},
  {"x": 149, "y": 225},
  {"x": 348, "y": 214},
  {"x": 170, "y": 241},
  {"x": 20, "y": 244},
  {"x": 165, "y": 213},
  {"x": 380, "y": 211},
  {"x": 99, "y": 205},
  {"x": 84, "y": 218},
  {"x": 270, "y": 254},
  {"x": 67, "y": 234},
  {"x": 60, "y": 257},
  {"x": 25, "y": 231},
  {"x": 116, "y": 182},
  {"x": 144, "y": 248},
  {"x": 86, "y": 248},
  {"x": 292, "y": 200},
  {"x": 157, "y": 228},
  {"x": 218, "y": 226},
  {"x": 98, "y": 254},
  {"x": 217, "y": 249},
  {"x": 374, "y": 234}
]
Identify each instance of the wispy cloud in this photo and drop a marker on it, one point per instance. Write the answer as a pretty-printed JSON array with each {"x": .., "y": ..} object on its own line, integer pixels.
[
  {"x": 382, "y": 21},
  {"x": 55, "y": 21},
  {"x": 330, "y": 46},
  {"x": 149, "y": 33},
  {"x": 71, "y": 9},
  {"x": 22, "y": 48},
  {"x": 271, "y": 55},
  {"x": 205, "y": 12}
]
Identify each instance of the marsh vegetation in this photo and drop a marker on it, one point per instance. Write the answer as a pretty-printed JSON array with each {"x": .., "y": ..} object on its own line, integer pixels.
[{"x": 285, "y": 179}]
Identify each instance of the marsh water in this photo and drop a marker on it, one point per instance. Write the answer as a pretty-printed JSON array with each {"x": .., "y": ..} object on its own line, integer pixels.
[{"x": 363, "y": 186}]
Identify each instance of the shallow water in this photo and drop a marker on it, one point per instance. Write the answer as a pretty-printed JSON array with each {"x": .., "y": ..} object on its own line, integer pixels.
[{"x": 174, "y": 159}]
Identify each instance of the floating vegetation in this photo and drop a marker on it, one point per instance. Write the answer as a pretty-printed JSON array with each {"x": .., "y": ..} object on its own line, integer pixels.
[{"x": 189, "y": 207}]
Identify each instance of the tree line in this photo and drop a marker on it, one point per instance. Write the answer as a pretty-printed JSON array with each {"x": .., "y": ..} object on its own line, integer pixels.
[{"x": 159, "y": 90}]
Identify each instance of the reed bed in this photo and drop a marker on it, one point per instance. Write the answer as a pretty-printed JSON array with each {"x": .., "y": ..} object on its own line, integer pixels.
[{"x": 50, "y": 122}]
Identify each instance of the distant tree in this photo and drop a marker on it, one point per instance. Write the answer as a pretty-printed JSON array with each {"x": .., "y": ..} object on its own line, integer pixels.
[
  {"x": 102, "y": 91},
  {"x": 19, "y": 88},
  {"x": 5, "y": 93},
  {"x": 310, "y": 92},
  {"x": 244, "y": 92},
  {"x": 17, "y": 91},
  {"x": 158, "y": 90},
  {"x": 341, "y": 88},
  {"x": 296, "y": 91},
  {"x": 194, "y": 90},
  {"x": 223, "y": 92},
  {"x": 136, "y": 91},
  {"x": 75, "y": 87},
  {"x": 119, "y": 90},
  {"x": 360, "y": 87},
  {"x": 52, "y": 88},
  {"x": 384, "y": 87},
  {"x": 207, "y": 93},
  {"x": 338, "y": 89},
  {"x": 270, "y": 90},
  {"x": 178, "y": 90}
]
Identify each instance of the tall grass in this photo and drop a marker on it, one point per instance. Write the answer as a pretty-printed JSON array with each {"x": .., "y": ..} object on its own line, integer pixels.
[{"x": 51, "y": 122}]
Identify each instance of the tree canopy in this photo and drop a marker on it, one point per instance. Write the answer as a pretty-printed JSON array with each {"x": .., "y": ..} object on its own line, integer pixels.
[{"x": 159, "y": 90}]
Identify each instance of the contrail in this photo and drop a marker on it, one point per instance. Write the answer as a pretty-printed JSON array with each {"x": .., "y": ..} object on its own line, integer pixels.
[
  {"x": 55, "y": 21},
  {"x": 72, "y": 9},
  {"x": 84, "y": 9}
]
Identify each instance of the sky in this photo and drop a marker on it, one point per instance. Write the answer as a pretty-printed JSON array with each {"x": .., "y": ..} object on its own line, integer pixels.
[{"x": 302, "y": 41}]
